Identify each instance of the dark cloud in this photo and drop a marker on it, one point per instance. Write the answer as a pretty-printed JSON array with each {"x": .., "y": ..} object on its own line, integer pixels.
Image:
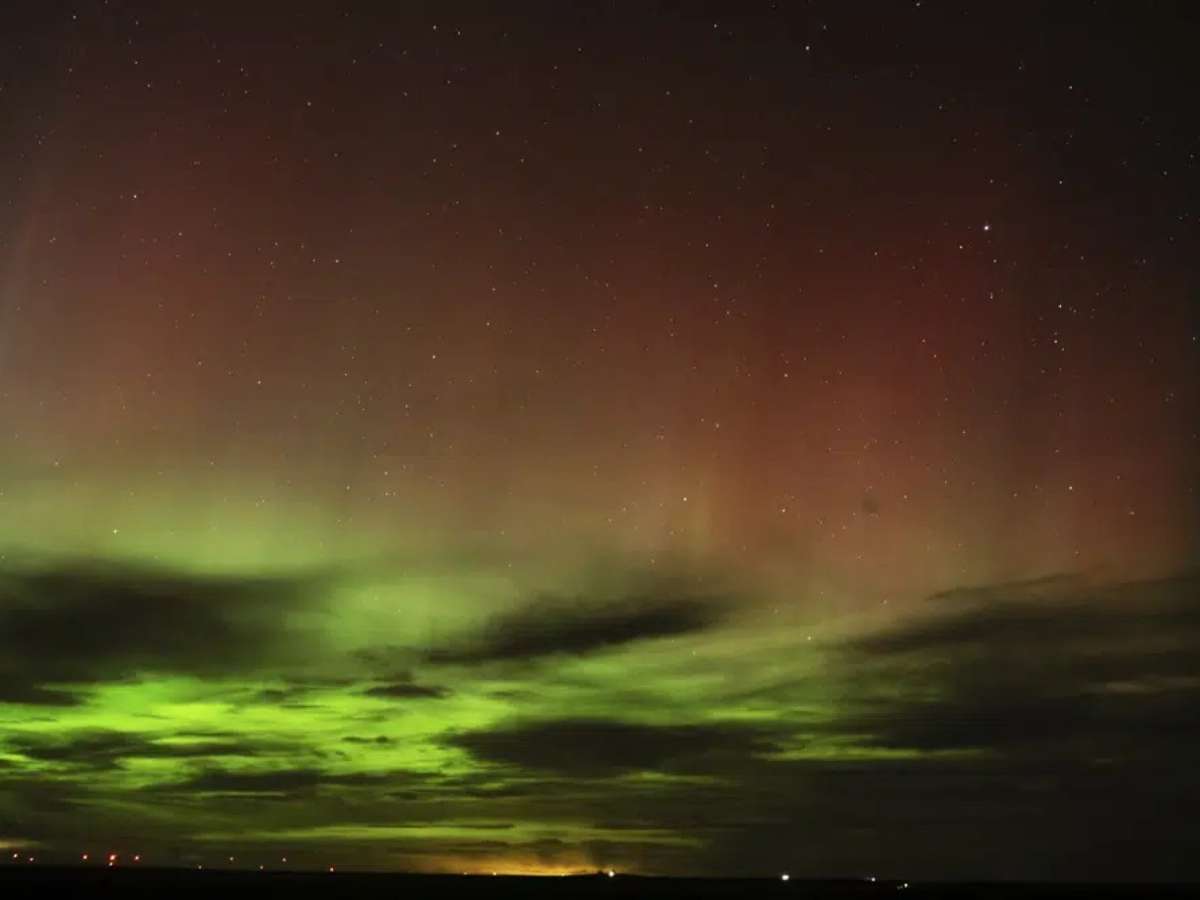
[
  {"x": 1058, "y": 668},
  {"x": 598, "y": 747},
  {"x": 26, "y": 694},
  {"x": 280, "y": 697},
  {"x": 552, "y": 626},
  {"x": 82, "y": 622},
  {"x": 99, "y": 749},
  {"x": 915, "y": 817},
  {"x": 406, "y": 690},
  {"x": 282, "y": 781},
  {"x": 293, "y": 693},
  {"x": 1045, "y": 610}
]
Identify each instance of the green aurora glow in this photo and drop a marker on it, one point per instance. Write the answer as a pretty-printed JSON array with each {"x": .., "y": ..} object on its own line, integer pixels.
[{"x": 496, "y": 481}]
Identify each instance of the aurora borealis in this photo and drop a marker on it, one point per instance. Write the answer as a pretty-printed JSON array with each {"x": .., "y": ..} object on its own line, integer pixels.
[{"x": 676, "y": 438}]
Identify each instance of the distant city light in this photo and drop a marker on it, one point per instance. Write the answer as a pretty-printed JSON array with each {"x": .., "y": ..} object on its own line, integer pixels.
[
  {"x": 785, "y": 877},
  {"x": 611, "y": 873}
]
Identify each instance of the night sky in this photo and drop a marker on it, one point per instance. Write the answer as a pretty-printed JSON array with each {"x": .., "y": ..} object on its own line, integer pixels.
[{"x": 667, "y": 437}]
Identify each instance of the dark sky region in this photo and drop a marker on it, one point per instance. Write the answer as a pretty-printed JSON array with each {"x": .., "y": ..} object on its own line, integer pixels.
[{"x": 536, "y": 437}]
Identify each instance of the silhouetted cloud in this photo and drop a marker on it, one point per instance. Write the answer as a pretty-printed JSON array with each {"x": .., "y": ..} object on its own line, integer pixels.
[
  {"x": 27, "y": 694},
  {"x": 293, "y": 692},
  {"x": 282, "y": 781},
  {"x": 81, "y": 622},
  {"x": 102, "y": 749},
  {"x": 406, "y": 690},
  {"x": 1053, "y": 668},
  {"x": 552, "y": 626},
  {"x": 598, "y": 747}
]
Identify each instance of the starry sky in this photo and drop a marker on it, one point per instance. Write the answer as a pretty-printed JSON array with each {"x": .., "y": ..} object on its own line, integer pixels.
[{"x": 675, "y": 437}]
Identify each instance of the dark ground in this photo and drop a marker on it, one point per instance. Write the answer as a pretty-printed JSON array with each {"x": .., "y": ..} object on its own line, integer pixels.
[{"x": 169, "y": 884}]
